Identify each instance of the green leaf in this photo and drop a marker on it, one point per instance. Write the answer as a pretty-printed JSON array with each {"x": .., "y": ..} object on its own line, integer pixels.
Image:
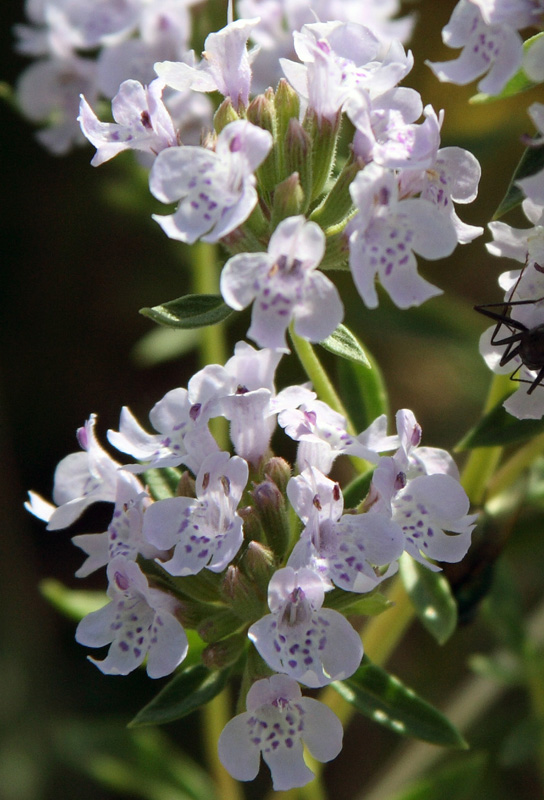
[
  {"x": 387, "y": 701},
  {"x": 164, "y": 344},
  {"x": 531, "y": 162},
  {"x": 362, "y": 391},
  {"x": 431, "y": 597},
  {"x": 498, "y": 427},
  {"x": 344, "y": 344},
  {"x": 71, "y": 603},
  {"x": 162, "y": 483},
  {"x": 357, "y": 490},
  {"x": 520, "y": 82},
  {"x": 185, "y": 693},
  {"x": 191, "y": 311}
]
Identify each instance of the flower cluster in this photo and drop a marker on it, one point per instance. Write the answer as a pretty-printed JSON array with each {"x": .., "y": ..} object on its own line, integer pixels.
[
  {"x": 260, "y": 182},
  {"x": 228, "y": 515}
]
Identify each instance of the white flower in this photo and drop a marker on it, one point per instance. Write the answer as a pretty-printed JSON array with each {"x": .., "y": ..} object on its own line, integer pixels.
[
  {"x": 284, "y": 285},
  {"x": 216, "y": 189},
  {"x": 138, "y": 622},
  {"x": 277, "y": 723}
]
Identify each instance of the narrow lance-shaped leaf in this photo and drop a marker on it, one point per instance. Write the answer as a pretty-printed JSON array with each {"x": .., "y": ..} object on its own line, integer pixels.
[
  {"x": 387, "y": 701},
  {"x": 191, "y": 311},
  {"x": 188, "y": 691},
  {"x": 363, "y": 391},
  {"x": 344, "y": 344},
  {"x": 431, "y": 597}
]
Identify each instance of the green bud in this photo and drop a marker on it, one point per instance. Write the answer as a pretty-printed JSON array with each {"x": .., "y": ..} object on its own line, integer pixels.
[
  {"x": 259, "y": 563},
  {"x": 205, "y": 586},
  {"x": 261, "y": 112},
  {"x": 287, "y": 104},
  {"x": 241, "y": 595},
  {"x": 224, "y": 653},
  {"x": 253, "y": 530},
  {"x": 288, "y": 200},
  {"x": 278, "y": 470},
  {"x": 297, "y": 147},
  {"x": 225, "y": 114},
  {"x": 271, "y": 508},
  {"x": 324, "y": 136},
  {"x": 336, "y": 249},
  {"x": 218, "y": 625}
]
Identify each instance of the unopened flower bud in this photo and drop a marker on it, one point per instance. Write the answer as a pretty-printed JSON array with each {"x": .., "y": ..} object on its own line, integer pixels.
[
  {"x": 271, "y": 507},
  {"x": 225, "y": 114},
  {"x": 278, "y": 470},
  {"x": 324, "y": 135},
  {"x": 259, "y": 563},
  {"x": 224, "y": 653},
  {"x": 241, "y": 595},
  {"x": 186, "y": 486},
  {"x": 297, "y": 147},
  {"x": 253, "y": 529},
  {"x": 261, "y": 112},
  {"x": 287, "y": 104},
  {"x": 288, "y": 199},
  {"x": 338, "y": 203}
]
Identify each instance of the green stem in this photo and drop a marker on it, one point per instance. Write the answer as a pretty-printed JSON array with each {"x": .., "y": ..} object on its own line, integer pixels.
[
  {"x": 515, "y": 466},
  {"x": 315, "y": 372},
  {"x": 205, "y": 280},
  {"x": 216, "y": 714},
  {"x": 482, "y": 461}
]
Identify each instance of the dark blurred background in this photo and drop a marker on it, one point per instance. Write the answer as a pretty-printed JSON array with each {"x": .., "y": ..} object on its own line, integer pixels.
[{"x": 80, "y": 256}]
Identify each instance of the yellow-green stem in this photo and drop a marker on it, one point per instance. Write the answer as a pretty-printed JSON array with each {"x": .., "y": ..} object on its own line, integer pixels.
[
  {"x": 205, "y": 280},
  {"x": 216, "y": 714},
  {"x": 319, "y": 378},
  {"x": 515, "y": 466},
  {"x": 482, "y": 461}
]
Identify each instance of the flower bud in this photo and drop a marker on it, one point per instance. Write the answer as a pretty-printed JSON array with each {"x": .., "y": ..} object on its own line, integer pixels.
[
  {"x": 261, "y": 112},
  {"x": 287, "y": 104},
  {"x": 278, "y": 470},
  {"x": 323, "y": 133},
  {"x": 186, "y": 486},
  {"x": 338, "y": 203},
  {"x": 297, "y": 147},
  {"x": 259, "y": 564},
  {"x": 241, "y": 594},
  {"x": 225, "y": 114},
  {"x": 253, "y": 530},
  {"x": 288, "y": 199},
  {"x": 271, "y": 508}
]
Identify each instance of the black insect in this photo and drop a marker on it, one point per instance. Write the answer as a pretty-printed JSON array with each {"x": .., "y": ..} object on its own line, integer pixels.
[{"x": 527, "y": 343}]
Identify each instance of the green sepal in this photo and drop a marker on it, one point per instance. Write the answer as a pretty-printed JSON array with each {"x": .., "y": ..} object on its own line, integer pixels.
[
  {"x": 371, "y": 604},
  {"x": 363, "y": 391},
  {"x": 498, "y": 427},
  {"x": 188, "y": 691},
  {"x": 191, "y": 311},
  {"x": 387, "y": 701},
  {"x": 431, "y": 597},
  {"x": 344, "y": 344},
  {"x": 162, "y": 483},
  {"x": 337, "y": 204},
  {"x": 531, "y": 162},
  {"x": 518, "y": 83}
]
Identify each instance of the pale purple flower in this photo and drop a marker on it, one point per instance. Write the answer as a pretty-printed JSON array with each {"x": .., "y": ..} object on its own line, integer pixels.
[
  {"x": 343, "y": 548},
  {"x": 205, "y": 531},
  {"x": 137, "y": 622},
  {"x": 89, "y": 25},
  {"x": 183, "y": 436},
  {"x": 285, "y": 285},
  {"x": 428, "y": 506},
  {"x": 277, "y": 723},
  {"x": 124, "y": 536},
  {"x": 80, "y": 479},
  {"x": 414, "y": 460},
  {"x": 48, "y": 92},
  {"x": 142, "y": 122},
  {"x": 225, "y": 66},
  {"x": 322, "y": 432},
  {"x": 216, "y": 188},
  {"x": 312, "y": 644},
  {"x": 492, "y": 50},
  {"x": 385, "y": 235}
]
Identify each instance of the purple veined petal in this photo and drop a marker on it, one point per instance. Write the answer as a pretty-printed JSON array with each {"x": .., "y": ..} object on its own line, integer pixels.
[
  {"x": 177, "y": 170},
  {"x": 168, "y": 645},
  {"x": 231, "y": 218},
  {"x": 241, "y": 278},
  {"x": 238, "y": 754},
  {"x": 322, "y": 730},
  {"x": 321, "y": 310},
  {"x": 166, "y": 519},
  {"x": 132, "y": 438},
  {"x": 131, "y": 640}
]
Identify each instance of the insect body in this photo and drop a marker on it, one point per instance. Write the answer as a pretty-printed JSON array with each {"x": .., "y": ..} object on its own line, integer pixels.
[{"x": 524, "y": 342}]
